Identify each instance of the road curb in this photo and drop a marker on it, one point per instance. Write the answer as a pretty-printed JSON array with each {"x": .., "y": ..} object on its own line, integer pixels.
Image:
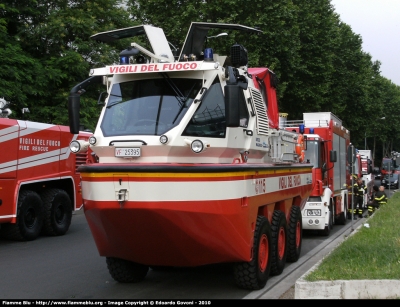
[{"x": 346, "y": 289}]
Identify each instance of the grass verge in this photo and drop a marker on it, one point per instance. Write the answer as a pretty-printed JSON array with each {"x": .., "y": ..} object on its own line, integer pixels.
[{"x": 370, "y": 253}]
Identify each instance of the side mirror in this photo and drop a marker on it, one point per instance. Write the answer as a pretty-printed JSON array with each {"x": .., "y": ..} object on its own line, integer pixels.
[
  {"x": 73, "y": 112},
  {"x": 102, "y": 97},
  {"x": 74, "y": 102},
  {"x": 351, "y": 154},
  {"x": 333, "y": 156},
  {"x": 232, "y": 112}
]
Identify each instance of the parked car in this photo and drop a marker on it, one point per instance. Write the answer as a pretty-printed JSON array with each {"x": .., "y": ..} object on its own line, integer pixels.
[
  {"x": 376, "y": 171},
  {"x": 392, "y": 179}
]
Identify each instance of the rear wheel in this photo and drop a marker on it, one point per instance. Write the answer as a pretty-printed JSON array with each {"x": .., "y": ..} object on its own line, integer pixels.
[
  {"x": 125, "y": 271},
  {"x": 279, "y": 238},
  {"x": 342, "y": 219},
  {"x": 294, "y": 235},
  {"x": 58, "y": 212},
  {"x": 29, "y": 218},
  {"x": 253, "y": 275}
]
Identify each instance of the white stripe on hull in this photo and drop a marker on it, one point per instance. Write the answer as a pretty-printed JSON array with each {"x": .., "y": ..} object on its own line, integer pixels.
[{"x": 183, "y": 191}]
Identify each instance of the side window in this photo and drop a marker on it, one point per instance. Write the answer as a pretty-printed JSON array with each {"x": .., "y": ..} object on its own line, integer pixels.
[
  {"x": 244, "y": 114},
  {"x": 209, "y": 118}
]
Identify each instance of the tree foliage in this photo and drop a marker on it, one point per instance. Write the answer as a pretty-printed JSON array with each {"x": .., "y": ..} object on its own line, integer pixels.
[
  {"x": 319, "y": 60},
  {"x": 46, "y": 51}
]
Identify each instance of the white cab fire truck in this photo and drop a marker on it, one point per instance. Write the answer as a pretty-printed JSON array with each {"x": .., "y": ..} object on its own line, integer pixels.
[
  {"x": 40, "y": 185},
  {"x": 366, "y": 173},
  {"x": 326, "y": 144},
  {"x": 192, "y": 166}
]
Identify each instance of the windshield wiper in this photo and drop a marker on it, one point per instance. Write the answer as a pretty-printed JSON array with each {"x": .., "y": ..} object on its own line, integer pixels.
[
  {"x": 178, "y": 94},
  {"x": 117, "y": 102},
  {"x": 183, "y": 105}
]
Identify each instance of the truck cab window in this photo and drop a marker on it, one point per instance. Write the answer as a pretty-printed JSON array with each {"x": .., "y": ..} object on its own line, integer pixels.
[
  {"x": 209, "y": 118},
  {"x": 149, "y": 106},
  {"x": 244, "y": 114},
  {"x": 313, "y": 153}
]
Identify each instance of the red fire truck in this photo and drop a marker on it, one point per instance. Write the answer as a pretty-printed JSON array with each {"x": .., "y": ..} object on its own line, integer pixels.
[
  {"x": 40, "y": 185},
  {"x": 326, "y": 144},
  {"x": 364, "y": 158},
  {"x": 192, "y": 166}
]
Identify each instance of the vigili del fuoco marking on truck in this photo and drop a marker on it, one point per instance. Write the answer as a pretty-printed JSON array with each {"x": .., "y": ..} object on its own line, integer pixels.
[{"x": 193, "y": 168}]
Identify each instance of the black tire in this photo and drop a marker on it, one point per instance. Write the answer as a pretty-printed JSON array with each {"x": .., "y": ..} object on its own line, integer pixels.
[
  {"x": 161, "y": 268},
  {"x": 29, "y": 218},
  {"x": 327, "y": 230},
  {"x": 342, "y": 219},
  {"x": 295, "y": 235},
  {"x": 125, "y": 271},
  {"x": 253, "y": 275},
  {"x": 57, "y": 212},
  {"x": 279, "y": 242}
]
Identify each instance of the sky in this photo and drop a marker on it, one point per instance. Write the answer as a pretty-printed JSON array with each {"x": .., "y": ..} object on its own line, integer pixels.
[{"x": 378, "y": 24}]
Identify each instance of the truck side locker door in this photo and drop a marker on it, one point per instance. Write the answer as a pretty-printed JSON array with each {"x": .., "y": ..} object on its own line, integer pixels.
[
  {"x": 10, "y": 143},
  {"x": 42, "y": 157}
]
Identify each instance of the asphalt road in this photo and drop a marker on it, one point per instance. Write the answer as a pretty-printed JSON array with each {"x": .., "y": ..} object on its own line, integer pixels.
[{"x": 69, "y": 267}]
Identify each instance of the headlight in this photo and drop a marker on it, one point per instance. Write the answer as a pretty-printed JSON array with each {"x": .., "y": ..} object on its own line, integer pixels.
[
  {"x": 78, "y": 146},
  {"x": 163, "y": 139},
  {"x": 92, "y": 140},
  {"x": 197, "y": 146}
]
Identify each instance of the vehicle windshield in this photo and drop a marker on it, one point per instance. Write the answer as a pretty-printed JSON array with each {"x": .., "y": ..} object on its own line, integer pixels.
[
  {"x": 356, "y": 168},
  {"x": 392, "y": 177},
  {"x": 388, "y": 164},
  {"x": 149, "y": 106},
  {"x": 312, "y": 154}
]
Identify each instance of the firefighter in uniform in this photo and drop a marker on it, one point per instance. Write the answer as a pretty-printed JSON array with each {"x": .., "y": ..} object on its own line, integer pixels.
[
  {"x": 373, "y": 203},
  {"x": 380, "y": 197},
  {"x": 359, "y": 191},
  {"x": 350, "y": 210}
]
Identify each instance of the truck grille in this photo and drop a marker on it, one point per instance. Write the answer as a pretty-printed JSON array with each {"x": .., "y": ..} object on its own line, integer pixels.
[
  {"x": 80, "y": 160},
  {"x": 261, "y": 112}
]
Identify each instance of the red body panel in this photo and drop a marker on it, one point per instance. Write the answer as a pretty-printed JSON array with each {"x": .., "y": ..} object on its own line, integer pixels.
[
  {"x": 264, "y": 75},
  {"x": 184, "y": 232},
  {"x": 320, "y": 180},
  {"x": 35, "y": 154}
]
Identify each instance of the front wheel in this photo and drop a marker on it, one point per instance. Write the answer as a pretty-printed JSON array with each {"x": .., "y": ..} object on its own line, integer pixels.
[
  {"x": 328, "y": 228},
  {"x": 125, "y": 271},
  {"x": 253, "y": 275}
]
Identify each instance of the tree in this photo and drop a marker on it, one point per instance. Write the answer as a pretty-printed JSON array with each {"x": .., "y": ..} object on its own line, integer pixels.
[{"x": 48, "y": 50}]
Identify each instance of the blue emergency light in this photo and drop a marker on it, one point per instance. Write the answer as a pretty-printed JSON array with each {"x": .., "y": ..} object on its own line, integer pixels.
[
  {"x": 126, "y": 54},
  {"x": 123, "y": 60},
  {"x": 208, "y": 55}
]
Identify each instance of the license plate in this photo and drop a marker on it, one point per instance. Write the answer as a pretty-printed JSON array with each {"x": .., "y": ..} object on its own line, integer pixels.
[
  {"x": 314, "y": 212},
  {"x": 127, "y": 152}
]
